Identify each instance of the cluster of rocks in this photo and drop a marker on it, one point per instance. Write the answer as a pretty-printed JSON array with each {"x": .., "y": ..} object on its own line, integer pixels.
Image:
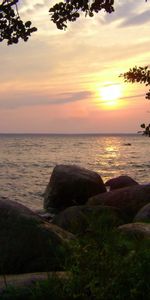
[
  {"x": 75, "y": 193},
  {"x": 30, "y": 241}
]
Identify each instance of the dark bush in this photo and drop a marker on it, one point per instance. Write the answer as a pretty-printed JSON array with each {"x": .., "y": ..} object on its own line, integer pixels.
[{"x": 104, "y": 265}]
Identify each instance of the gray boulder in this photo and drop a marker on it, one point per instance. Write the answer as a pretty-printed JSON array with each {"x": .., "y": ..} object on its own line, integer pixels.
[
  {"x": 76, "y": 219},
  {"x": 143, "y": 214},
  {"x": 71, "y": 185},
  {"x": 27, "y": 243},
  {"x": 138, "y": 230},
  {"x": 120, "y": 182},
  {"x": 129, "y": 199}
]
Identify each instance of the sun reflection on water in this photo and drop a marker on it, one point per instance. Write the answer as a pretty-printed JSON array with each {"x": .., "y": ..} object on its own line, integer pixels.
[{"x": 28, "y": 161}]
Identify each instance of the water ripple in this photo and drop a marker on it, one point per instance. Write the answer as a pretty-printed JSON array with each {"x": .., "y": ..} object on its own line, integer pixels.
[{"x": 26, "y": 161}]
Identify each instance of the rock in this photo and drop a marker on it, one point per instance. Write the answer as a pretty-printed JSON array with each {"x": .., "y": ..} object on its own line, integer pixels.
[
  {"x": 47, "y": 216},
  {"x": 120, "y": 182},
  {"x": 129, "y": 199},
  {"x": 27, "y": 243},
  {"x": 139, "y": 230},
  {"x": 76, "y": 219},
  {"x": 143, "y": 214},
  {"x": 71, "y": 185},
  {"x": 27, "y": 280}
]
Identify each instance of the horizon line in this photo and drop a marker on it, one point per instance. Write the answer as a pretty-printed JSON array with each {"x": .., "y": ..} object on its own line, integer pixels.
[{"x": 66, "y": 133}]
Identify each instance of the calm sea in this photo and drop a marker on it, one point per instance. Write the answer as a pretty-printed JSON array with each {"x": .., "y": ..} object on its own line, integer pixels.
[{"x": 27, "y": 160}]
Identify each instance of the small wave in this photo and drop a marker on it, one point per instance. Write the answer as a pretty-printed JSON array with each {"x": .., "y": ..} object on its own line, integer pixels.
[
  {"x": 140, "y": 166},
  {"x": 28, "y": 163},
  {"x": 127, "y": 144},
  {"x": 78, "y": 144}
]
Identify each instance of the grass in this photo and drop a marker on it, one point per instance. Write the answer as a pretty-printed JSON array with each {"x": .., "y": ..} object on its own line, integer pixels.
[{"x": 105, "y": 265}]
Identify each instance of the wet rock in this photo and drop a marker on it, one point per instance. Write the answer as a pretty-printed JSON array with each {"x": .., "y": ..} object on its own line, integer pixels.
[
  {"x": 138, "y": 230},
  {"x": 143, "y": 214},
  {"x": 129, "y": 199},
  {"x": 76, "y": 219},
  {"x": 44, "y": 215},
  {"x": 71, "y": 185},
  {"x": 27, "y": 280},
  {"x": 28, "y": 244},
  {"x": 120, "y": 182}
]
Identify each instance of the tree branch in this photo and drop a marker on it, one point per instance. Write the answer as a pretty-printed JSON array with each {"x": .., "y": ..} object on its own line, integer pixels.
[
  {"x": 140, "y": 75},
  {"x": 12, "y": 28},
  {"x": 70, "y": 10}
]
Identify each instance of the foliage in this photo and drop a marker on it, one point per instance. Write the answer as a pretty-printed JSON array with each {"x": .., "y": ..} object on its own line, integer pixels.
[
  {"x": 70, "y": 10},
  {"x": 138, "y": 74},
  {"x": 108, "y": 265},
  {"x": 12, "y": 27},
  {"x": 146, "y": 130},
  {"x": 104, "y": 264}
]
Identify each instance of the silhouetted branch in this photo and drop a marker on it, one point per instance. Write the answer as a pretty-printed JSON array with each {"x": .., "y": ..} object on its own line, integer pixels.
[
  {"x": 12, "y": 28},
  {"x": 70, "y": 10},
  {"x": 146, "y": 130},
  {"x": 138, "y": 74}
]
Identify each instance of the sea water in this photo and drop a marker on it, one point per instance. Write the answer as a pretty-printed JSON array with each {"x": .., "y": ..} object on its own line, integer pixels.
[{"x": 27, "y": 160}]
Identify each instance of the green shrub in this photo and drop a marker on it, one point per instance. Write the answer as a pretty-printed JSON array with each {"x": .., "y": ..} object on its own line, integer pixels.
[
  {"x": 103, "y": 265},
  {"x": 106, "y": 265}
]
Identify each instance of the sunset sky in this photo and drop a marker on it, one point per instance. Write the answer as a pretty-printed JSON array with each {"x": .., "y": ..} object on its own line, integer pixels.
[{"x": 68, "y": 81}]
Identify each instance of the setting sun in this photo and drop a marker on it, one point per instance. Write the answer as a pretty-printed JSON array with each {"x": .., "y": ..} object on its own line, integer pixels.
[{"x": 110, "y": 94}]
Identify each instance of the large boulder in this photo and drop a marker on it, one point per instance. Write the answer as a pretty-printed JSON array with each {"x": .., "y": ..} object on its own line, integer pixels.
[
  {"x": 143, "y": 214},
  {"x": 138, "y": 230},
  {"x": 71, "y": 185},
  {"x": 27, "y": 243},
  {"x": 129, "y": 200},
  {"x": 76, "y": 219},
  {"x": 120, "y": 182}
]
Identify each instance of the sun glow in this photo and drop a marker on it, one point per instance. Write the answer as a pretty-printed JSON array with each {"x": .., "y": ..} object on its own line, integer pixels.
[{"x": 109, "y": 94}]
